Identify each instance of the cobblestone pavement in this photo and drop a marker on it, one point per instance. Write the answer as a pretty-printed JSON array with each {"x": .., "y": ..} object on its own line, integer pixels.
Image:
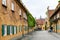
[{"x": 42, "y": 35}]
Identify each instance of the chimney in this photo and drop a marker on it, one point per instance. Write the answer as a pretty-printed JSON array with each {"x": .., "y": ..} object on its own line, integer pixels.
[{"x": 48, "y": 8}]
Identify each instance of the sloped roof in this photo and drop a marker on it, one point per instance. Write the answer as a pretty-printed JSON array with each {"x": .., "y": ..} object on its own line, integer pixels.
[
  {"x": 50, "y": 13},
  {"x": 40, "y": 21},
  {"x": 56, "y": 9}
]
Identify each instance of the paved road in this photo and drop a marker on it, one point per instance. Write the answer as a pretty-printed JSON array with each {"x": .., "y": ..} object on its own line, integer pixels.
[{"x": 42, "y": 35}]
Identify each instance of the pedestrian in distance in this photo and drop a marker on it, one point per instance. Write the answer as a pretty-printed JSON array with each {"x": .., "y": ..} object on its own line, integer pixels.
[{"x": 51, "y": 29}]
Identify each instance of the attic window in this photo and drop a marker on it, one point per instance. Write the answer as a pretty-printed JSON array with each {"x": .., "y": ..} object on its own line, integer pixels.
[
  {"x": 19, "y": 11},
  {"x": 12, "y": 6},
  {"x": 24, "y": 15},
  {"x": 4, "y": 3}
]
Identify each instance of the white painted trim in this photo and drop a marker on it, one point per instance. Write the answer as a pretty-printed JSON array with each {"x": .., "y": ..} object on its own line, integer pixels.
[
  {"x": 10, "y": 30},
  {"x": 4, "y": 2},
  {"x": 5, "y": 30},
  {"x": 14, "y": 30}
]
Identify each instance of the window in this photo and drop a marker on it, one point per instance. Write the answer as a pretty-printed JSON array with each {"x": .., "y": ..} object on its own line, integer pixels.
[
  {"x": 20, "y": 29},
  {"x": 25, "y": 28},
  {"x": 19, "y": 11},
  {"x": 12, "y": 6},
  {"x": 4, "y": 2},
  {"x": 25, "y": 16},
  {"x": 58, "y": 15},
  {"x": 4, "y": 30},
  {"x": 10, "y": 30},
  {"x": 14, "y": 30},
  {"x": 55, "y": 16}
]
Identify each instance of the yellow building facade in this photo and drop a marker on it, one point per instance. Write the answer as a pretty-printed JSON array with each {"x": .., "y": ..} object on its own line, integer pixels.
[
  {"x": 55, "y": 19},
  {"x": 13, "y": 19}
]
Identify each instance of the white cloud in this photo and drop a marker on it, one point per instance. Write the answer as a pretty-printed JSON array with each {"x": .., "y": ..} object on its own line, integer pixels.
[{"x": 38, "y": 7}]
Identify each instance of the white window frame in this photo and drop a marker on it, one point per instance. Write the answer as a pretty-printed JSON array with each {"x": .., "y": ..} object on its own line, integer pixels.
[
  {"x": 4, "y": 2},
  {"x": 20, "y": 12},
  {"x": 12, "y": 6},
  {"x": 5, "y": 30},
  {"x": 14, "y": 30},
  {"x": 10, "y": 30},
  {"x": 58, "y": 15},
  {"x": 24, "y": 15},
  {"x": 20, "y": 28}
]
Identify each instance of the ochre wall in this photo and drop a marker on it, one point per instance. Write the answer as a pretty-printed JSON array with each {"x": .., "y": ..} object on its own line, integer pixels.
[{"x": 7, "y": 17}]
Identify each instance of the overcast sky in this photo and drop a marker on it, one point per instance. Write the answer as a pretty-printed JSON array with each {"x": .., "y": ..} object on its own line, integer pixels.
[{"x": 39, "y": 7}]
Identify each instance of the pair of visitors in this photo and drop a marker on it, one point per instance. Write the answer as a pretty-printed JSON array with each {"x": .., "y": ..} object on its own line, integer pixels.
[{"x": 51, "y": 29}]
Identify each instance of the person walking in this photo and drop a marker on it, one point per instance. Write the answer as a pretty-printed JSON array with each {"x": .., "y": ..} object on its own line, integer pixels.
[{"x": 51, "y": 29}]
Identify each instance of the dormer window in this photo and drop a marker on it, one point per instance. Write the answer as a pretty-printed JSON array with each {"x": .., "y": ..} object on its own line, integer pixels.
[
  {"x": 12, "y": 6},
  {"x": 4, "y": 2}
]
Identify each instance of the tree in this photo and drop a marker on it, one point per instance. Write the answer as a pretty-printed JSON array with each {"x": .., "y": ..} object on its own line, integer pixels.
[{"x": 30, "y": 19}]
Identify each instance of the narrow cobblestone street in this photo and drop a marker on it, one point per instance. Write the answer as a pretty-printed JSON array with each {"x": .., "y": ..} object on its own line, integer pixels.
[{"x": 42, "y": 35}]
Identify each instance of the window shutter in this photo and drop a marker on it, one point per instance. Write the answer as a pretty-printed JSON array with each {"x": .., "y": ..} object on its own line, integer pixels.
[
  {"x": 19, "y": 28},
  {"x": 16, "y": 29},
  {"x": 12, "y": 29},
  {"x": 3, "y": 30},
  {"x": 26, "y": 28},
  {"x": 8, "y": 30}
]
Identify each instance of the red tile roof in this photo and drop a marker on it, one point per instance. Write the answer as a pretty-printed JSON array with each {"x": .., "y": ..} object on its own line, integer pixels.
[
  {"x": 50, "y": 12},
  {"x": 40, "y": 21}
]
